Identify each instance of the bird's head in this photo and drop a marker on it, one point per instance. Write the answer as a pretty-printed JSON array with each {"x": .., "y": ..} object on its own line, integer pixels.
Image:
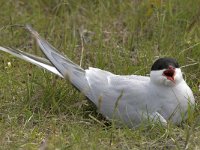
[{"x": 166, "y": 71}]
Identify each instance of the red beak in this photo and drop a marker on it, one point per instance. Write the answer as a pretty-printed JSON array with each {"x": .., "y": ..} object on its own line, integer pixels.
[{"x": 170, "y": 73}]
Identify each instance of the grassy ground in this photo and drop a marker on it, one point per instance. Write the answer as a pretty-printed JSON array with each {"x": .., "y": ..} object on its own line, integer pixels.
[{"x": 38, "y": 109}]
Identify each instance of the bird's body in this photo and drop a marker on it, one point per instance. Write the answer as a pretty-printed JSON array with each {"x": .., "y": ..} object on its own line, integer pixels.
[
  {"x": 130, "y": 99},
  {"x": 135, "y": 98}
]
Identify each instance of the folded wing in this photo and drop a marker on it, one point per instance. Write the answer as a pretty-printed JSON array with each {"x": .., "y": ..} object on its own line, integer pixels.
[
  {"x": 123, "y": 98},
  {"x": 68, "y": 69}
]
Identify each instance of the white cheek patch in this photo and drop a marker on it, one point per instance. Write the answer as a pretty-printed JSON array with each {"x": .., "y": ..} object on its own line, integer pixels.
[{"x": 157, "y": 77}]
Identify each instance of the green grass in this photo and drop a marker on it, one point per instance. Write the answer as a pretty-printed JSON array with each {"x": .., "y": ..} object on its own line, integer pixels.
[{"x": 38, "y": 109}]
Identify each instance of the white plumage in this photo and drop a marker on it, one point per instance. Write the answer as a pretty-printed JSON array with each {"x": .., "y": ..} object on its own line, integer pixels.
[{"x": 129, "y": 100}]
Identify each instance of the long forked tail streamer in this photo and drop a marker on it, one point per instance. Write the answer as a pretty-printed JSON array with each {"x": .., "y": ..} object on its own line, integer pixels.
[{"x": 38, "y": 61}]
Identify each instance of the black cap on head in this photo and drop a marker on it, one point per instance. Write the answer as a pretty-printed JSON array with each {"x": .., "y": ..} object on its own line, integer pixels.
[{"x": 164, "y": 63}]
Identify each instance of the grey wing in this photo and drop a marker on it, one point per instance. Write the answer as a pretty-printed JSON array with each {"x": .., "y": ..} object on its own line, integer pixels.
[
  {"x": 68, "y": 69},
  {"x": 102, "y": 82},
  {"x": 62, "y": 63},
  {"x": 108, "y": 88},
  {"x": 41, "y": 62},
  {"x": 125, "y": 95}
]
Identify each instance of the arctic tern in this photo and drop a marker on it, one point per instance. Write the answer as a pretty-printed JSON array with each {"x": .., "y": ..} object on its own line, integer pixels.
[{"x": 126, "y": 99}]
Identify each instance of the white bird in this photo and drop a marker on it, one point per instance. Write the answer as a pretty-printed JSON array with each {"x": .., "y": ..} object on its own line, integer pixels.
[{"x": 128, "y": 100}]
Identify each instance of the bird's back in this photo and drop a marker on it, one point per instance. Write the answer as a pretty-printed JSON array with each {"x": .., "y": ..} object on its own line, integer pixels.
[{"x": 120, "y": 97}]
